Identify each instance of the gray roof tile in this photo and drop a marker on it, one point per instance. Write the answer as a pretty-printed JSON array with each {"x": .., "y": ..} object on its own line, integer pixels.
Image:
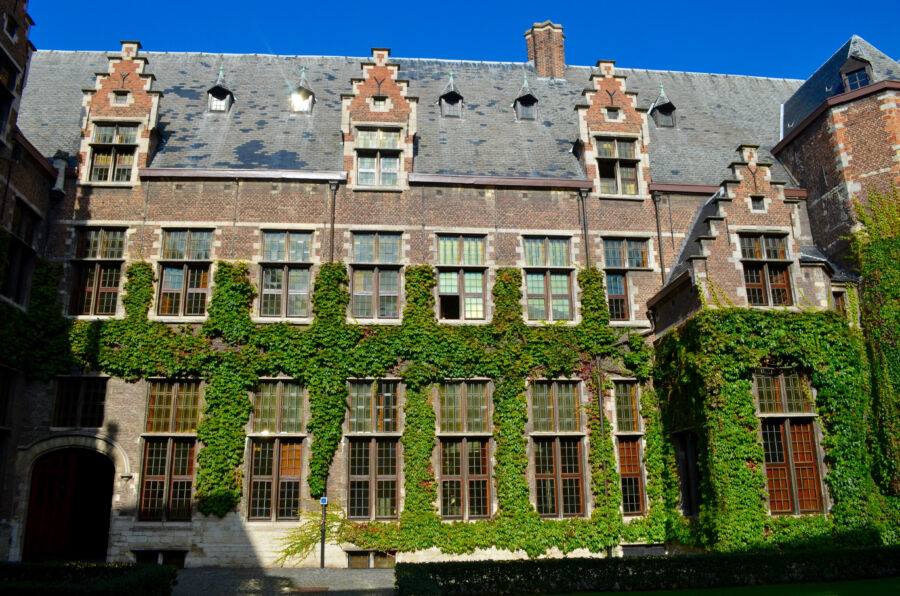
[
  {"x": 715, "y": 113},
  {"x": 826, "y": 81}
]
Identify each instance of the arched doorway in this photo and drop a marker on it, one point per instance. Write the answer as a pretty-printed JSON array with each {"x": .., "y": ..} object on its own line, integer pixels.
[{"x": 69, "y": 506}]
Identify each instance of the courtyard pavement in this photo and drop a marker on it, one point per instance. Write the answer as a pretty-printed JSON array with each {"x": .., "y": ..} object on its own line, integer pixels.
[{"x": 278, "y": 582}]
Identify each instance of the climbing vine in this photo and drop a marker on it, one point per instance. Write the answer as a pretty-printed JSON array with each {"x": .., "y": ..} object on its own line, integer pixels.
[{"x": 876, "y": 249}]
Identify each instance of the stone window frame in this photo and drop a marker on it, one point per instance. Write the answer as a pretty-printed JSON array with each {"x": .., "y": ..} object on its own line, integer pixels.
[
  {"x": 374, "y": 437},
  {"x": 463, "y": 435},
  {"x": 623, "y": 268},
  {"x": 461, "y": 267},
  {"x": 370, "y": 559},
  {"x": 756, "y": 257},
  {"x": 190, "y": 262},
  {"x": 616, "y": 160},
  {"x": 24, "y": 233},
  {"x": 286, "y": 266},
  {"x": 91, "y": 266},
  {"x": 787, "y": 419},
  {"x": 548, "y": 270},
  {"x": 630, "y": 442},
  {"x": 74, "y": 399},
  {"x": 556, "y": 437},
  {"x": 377, "y": 266},
  {"x": 172, "y": 439},
  {"x": 278, "y": 437},
  {"x": 115, "y": 145},
  {"x": 379, "y": 152}
]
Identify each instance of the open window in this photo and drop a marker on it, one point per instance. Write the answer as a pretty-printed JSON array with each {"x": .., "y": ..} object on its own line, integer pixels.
[
  {"x": 451, "y": 105},
  {"x": 526, "y": 107}
]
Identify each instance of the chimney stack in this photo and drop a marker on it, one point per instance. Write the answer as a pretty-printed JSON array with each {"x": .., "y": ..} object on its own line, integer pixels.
[{"x": 546, "y": 47}]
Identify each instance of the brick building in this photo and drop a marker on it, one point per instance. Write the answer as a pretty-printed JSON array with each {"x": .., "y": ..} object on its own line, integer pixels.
[{"x": 677, "y": 185}]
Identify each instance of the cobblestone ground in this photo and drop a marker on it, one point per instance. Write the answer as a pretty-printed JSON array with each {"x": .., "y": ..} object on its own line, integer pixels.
[{"x": 279, "y": 582}]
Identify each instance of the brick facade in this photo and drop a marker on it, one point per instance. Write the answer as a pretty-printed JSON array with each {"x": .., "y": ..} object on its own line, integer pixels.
[{"x": 691, "y": 231}]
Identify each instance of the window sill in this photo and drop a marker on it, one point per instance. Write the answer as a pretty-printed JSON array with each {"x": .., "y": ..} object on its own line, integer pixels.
[
  {"x": 366, "y": 434},
  {"x": 145, "y": 523},
  {"x": 110, "y": 184},
  {"x": 776, "y": 415},
  {"x": 273, "y": 435},
  {"x": 764, "y": 261},
  {"x": 363, "y": 188},
  {"x": 627, "y": 269},
  {"x": 372, "y": 321},
  {"x": 632, "y": 323},
  {"x": 546, "y": 323},
  {"x": 256, "y": 319},
  {"x": 116, "y": 316},
  {"x": 13, "y": 303},
  {"x": 177, "y": 319},
  {"x": 461, "y": 434},
  {"x": 484, "y": 321},
  {"x": 552, "y": 433},
  {"x": 614, "y": 197}
]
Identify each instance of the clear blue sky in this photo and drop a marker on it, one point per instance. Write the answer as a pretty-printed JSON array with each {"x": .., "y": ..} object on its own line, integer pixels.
[{"x": 777, "y": 39}]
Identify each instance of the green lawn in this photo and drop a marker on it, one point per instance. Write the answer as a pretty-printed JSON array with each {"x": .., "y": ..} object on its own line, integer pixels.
[{"x": 870, "y": 587}]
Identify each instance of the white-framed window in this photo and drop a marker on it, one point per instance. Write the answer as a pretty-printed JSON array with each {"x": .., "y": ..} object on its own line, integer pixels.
[
  {"x": 548, "y": 278},
  {"x": 376, "y": 276},
  {"x": 378, "y": 157},
  {"x": 461, "y": 277},
  {"x": 285, "y": 274}
]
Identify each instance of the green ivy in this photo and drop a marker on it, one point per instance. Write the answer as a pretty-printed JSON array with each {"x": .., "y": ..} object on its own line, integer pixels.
[{"x": 704, "y": 376}]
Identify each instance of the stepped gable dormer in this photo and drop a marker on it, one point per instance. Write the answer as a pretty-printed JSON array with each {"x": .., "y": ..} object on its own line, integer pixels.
[
  {"x": 526, "y": 102},
  {"x": 613, "y": 130},
  {"x": 302, "y": 96},
  {"x": 220, "y": 97},
  {"x": 662, "y": 110},
  {"x": 451, "y": 100},
  {"x": 378, "y": 122},
  {"x": 121, "y": 113},
  {"x": 751, "y": 183}
]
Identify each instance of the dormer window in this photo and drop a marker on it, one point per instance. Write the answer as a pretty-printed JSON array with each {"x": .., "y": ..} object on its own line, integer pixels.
[
  {"x": 378, "y": 157},
  {"x": 526, "y": 107},
  {"x": 856, "y": 79},
  {"x": 302, "y": 100},
  {"x": 112, "y": 152},
  {"x": 451, "y": 105},
  {"x": 379, "y": 103},
  {"x": 120, "y": 98},
  {"x": 219, "y": 100},
  {"x": 612, "y": 113},
  {"x": 220, "y": 97},
  {"x": 664, "y": 116}
]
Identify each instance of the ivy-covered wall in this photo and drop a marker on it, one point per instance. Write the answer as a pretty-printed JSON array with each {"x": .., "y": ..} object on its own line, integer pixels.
[{"x": 703, "y": 376}]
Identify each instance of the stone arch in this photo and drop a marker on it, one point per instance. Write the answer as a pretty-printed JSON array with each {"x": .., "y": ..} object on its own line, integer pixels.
[{"x": 82, "y": 440}]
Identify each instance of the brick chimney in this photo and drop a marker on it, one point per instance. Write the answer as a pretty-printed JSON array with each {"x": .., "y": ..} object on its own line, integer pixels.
[{"x": 546, "y": 47}]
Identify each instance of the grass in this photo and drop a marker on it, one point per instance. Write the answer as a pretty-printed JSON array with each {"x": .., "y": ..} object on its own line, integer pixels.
[{"x": 869, "y": 587}]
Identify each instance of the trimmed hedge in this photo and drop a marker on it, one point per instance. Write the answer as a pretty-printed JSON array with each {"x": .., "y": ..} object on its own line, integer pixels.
[
  {"x": 94, "y": 579},
  {"x": 549, "y": 576}
]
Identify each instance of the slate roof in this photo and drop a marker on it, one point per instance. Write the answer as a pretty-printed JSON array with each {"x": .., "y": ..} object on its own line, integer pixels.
[
  {"x": 715, "y": 113},
  {"x": 826, "y": 81}
]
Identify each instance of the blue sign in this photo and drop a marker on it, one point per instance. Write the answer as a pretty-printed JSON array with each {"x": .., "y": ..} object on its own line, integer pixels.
[{"x": 323, "y": 501}]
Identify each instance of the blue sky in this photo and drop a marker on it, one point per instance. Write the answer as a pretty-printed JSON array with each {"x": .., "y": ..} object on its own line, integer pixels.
[{"x": 776, "y": 39}]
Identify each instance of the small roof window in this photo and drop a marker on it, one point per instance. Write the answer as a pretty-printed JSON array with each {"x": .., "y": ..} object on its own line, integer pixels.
[
  {"x": 302, "y": 96},
  {"x": 526, "y": 103},
  {"x": 220, "y": 97},
  {"x": 663, "y": 110},
  {"x": 451, "y": 100}
]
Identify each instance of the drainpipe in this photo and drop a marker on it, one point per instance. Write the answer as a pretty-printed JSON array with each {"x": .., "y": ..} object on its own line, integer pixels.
[
  {"x": 582, "y": 194},
  {"x": 333, "y": 184},
  {"x": 662, "y": 260}
]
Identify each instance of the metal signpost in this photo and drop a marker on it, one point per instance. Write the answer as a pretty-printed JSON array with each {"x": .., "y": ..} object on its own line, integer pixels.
[{"x": 324, "y": 502}]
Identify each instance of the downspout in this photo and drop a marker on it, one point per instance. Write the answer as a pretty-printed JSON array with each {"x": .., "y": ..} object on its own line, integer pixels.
[
  {"x": 582, "y": 194},
  {"x": 662, "y": 259},
  {"x": 144, "y": 219},
  {"x": 237, "y": 184},
  {"x": 333, "y": 184}
]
